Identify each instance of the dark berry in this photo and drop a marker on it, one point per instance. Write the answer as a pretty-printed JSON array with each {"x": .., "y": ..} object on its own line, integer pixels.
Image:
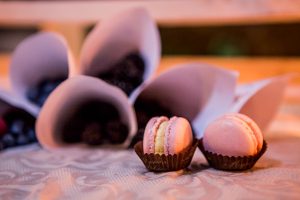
[
  {"x": 17, "y": 127},
  {"x": 32, "y": 94},
  {"x": 116, "y": 132},
  {"x": 92, "y": 134},
  {"x": 22, "y": 140},
  {"x": 48, "y": 87},
  {"x": 1, "y": 145},
  {"x": 3, "y": 127},
  {"x": 38, "y": 94},
  {"x": 137, "y": 137},
  {"x": 126, "y": 74},
  {"x": 31, "y": 135},
  {"x": 41, "y": 99},
  {"x": 8, "y": 140},
  {"x": 18, "y": 122}
]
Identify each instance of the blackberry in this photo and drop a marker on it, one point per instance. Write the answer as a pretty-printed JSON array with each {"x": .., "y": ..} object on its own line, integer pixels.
[
  {"x": 116, "y": 132},
  {"x": 126, "y": 74}
]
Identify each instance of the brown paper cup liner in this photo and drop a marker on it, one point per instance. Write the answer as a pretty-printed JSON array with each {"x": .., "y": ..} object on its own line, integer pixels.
[
  {"x": 164, "y": 163},
  {"x": 231, "y": 163}
]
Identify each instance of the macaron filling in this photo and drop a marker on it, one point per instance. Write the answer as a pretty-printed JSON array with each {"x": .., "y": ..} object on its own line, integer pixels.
[
  {"x": 168, "y": 135},
  {"x": 153, "y": 133},
  {"x": 160, "y": 138}
]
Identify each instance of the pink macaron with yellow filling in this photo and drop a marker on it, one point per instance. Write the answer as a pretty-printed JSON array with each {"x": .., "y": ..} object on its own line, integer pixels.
[{"x": 167, "y": 136}]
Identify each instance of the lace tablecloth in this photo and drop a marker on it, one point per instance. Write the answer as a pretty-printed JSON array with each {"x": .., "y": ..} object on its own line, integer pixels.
[{"x": 80, "y": 173}]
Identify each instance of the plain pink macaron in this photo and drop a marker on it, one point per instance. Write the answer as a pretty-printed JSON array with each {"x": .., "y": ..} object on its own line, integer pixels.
[
  {"x": 233, "y": 135},
  {"x": 177, "y": 135}
]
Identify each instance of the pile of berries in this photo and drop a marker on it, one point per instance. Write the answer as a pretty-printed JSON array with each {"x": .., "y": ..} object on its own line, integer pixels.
[
  {"x": 16, "y": 129},
  {"x": 40, "y": 92},
  {"x": 94, "y": 123},
  {"x": 126, "y": 74}
]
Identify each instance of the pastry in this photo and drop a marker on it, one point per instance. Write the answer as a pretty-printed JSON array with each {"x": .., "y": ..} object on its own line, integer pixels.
[
  {"x": 145, "y": 110},
  {"x": 234, "y": 136},
  {"x": 167, "y": 145},
  {"x": 164, "y": 136}
]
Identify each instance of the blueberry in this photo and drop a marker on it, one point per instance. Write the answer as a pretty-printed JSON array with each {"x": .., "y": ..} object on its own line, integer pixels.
[
  {"x": 116, "y": 132},
  {"x": 32, "y": 93},
  {"x": 31, "y": 135},
  {"x": 8, "y": 140},
  {"x": 17, "y": 127},
  {"x": 41, "y": 100},
  {"x": 48, "y": 87},
  {"x": 22, "y": 140},
  {"x": 39, "y": 93}
]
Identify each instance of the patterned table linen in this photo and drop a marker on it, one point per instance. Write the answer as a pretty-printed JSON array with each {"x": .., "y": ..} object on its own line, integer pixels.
[{"x": 80, "y": 173}]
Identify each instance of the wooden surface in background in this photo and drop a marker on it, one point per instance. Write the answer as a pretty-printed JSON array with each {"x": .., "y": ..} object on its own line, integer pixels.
[
  {"x": 250, "y": 68},
  {"x": 166, "y": 12}
]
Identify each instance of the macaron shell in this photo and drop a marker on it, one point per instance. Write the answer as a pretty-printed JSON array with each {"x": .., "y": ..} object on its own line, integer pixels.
[
  {"x": 149, "y": 134},
  {"x": 256, "y": 130},
  {"x": 229, "y": 137},
  {"x": 178, "y": 135},
  {"x": 246, "y": 126}
]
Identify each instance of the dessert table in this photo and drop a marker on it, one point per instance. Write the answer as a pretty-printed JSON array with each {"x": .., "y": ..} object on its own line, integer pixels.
[
  {"x": 35, "y": 173},
  {"x": 31, "y": 172}
]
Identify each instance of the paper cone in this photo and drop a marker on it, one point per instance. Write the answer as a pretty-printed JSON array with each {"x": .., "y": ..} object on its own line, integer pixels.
[
  {"x": 198, "y": 92},
  {"x": 261, "y": 100},
  {"x": 68, "y": 97},
  {"x": 114, "y": 38},
  {"x": 41, "y": 56}
]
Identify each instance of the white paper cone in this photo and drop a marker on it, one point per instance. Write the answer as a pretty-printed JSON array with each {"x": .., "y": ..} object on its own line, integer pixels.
[
  {"x": 68, "y": 97},
  {"x": 40, "y": 56},
  {"x": 112, "y": 39},
  {"x": 9, "y": 99},
  {"x": 198, "y": 92},
  {"x": 260, "y": 100}
]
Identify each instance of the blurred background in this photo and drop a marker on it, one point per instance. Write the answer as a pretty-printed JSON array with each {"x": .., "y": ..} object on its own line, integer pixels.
[{"x": 259, "y": 38}]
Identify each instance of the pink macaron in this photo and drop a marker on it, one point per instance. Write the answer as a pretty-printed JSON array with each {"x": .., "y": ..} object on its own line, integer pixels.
[
  {"x": 233, "y": 135},
  {"x": 167, "y": 136}
]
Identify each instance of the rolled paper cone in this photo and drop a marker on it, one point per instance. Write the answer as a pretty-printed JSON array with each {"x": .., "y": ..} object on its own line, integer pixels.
[
  {"x": 198, "y": 92},
  {"x": 260, "y": 100},
  {"x": 41, "y": 56},
  {"x": 69, "y": 96},
  {"x": 10, "y": 99},
  {"x": 112, "y": 39}
]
